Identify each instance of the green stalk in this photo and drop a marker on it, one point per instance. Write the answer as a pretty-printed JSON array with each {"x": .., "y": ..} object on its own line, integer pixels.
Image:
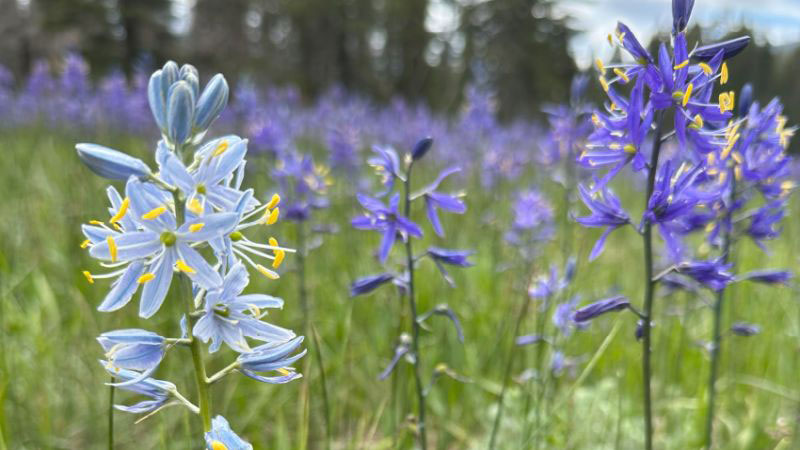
[
  {"x": 649, "y": 292},
  {"x": 111, "y": 416},
  {"x": 523, "y": 312},
  {"x": 304, "y": 302},
  {"x": 415, "y": 324},
  {"x": 717, "y": 337},
  {"x": 204, "y": 401}
]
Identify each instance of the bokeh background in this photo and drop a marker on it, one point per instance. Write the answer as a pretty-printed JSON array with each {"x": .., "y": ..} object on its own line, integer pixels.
[{"x": 329, "y": 79}]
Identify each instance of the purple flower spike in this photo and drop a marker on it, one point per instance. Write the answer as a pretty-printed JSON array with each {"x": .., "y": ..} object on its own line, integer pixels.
[{"x": 601, "y": 307}]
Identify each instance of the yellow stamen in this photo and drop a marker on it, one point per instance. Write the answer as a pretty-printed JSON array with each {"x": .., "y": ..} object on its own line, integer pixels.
[
  {"x": 195, "y": 206},
  {"x": 85, "y": 243},
  {"x": 123, "y": 208},
  {"x": 112, "y": 248},
  {"x": 153, "y": 213},
  {"x": 687, "y": 94},
  {"x": 217, "y": 445},
  {"x": 612, "y": 106},
  {"x": 681, "y": 65},
  {"x": 737, "y": 157},
  {"x": 622, "y": 75},
  {"x": 267, "y": 273},
  {"x": 145, "y": 278},
  {"x": 711, "y": 158},
  {"x": 88, "y": 276},
  {"x": 629, "y": 148},
  {"x": 273, "y": 202},
  {"x": 279, "y": 256},
  {"x": 599, "y": 63},
  {"x": 698, "y": 121},
  {"x": 220, "y": 149},
  {"x": 273, "y": 216},
  {"x": 723, "y": 76},
  {"x": 196, "y": 227},
  {"x": 603, "y": 83},
  {"x": 737, "y": 172},
  {"x": 706, "y": 68},
  {"x": 183, "y": 267},
  {"x": 610, "y": 40},
  {"x": 724, "y": 102},
  {"x": 96, "y": 222},
  {"x": 283, "y": 372},
  {"x": 596, "y": 120},
  {"x": 116, "y": 226}
]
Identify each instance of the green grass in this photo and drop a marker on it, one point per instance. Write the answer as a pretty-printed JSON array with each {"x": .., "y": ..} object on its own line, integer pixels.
[{"x": 51, "y": 385}]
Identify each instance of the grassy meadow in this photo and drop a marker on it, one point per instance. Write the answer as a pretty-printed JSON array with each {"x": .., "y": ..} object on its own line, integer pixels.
[{"x": 51, "y": 385}]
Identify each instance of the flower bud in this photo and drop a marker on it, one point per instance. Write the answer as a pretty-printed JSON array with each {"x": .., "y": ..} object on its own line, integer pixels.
[
  {"x": 729, "y": 48},
  {"x": 600, "y": 307},
  {"x": 745, "y": 99},
  {"x": 745, "y": 329},
  {"x": 180, "y": 110},
  {"x": 211, "y": 103},
  {"x": 111, "y": 164},
  {"x": 368, "y": 284},
  {"x": 421, "y": 148},
  {"x": 681, "y": 11},
  {"x": 157, "y": 100}
]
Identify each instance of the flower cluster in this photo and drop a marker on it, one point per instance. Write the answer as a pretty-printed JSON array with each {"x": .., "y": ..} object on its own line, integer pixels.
[
  {"x": 186, "y": 222},
  {"x": 395, "y": 224}
]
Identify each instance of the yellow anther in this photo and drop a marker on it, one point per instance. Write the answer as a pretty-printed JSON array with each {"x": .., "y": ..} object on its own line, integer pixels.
[
  {"x": 612, "y": 106},
  {"x": 706, "y": 68},
  {"x": 615, "y": 146},
  {"x": 284, "y": 372},
  {"x": 603, "y": 83},
  {"x": 195, "y": 206},
  {"x": 723, "y": 74},
  {"x": 737, "y": 172},
  {"x": 123, "y": 208},
  {"x": 183, "y": 267},
  {"x": 88, "y": 276},
  {"x": 272, "y": 275},
  {"x": 96, "y": 222},
  {"x": 737, "y": 157},
  {"x": 724, "y": 102},
  {"x": 787, "y": 186},
  {"x": 279, "y": 256},
  {"x": 153, "y": 213},
  {"x": 116, "y": 226},
  {"x": 145, "y": 278},
  {"x": 610, "y": 40},
  {"x": 711, "y": 158},
  {"x": 273, "y": 216},
  {"x": 217, "y": 445},
  {"x": 220, "y": 149},
  {"x": 629, "y": 148},
  {"x": 273, "y": 202},
  {"x": 710, "y": 227},
  {"x": 622, "y": 74},
  {"x": 194, "y": 228},
  {"x": 112, "y": 248},
  {"x": 85, "y": 243},
  {"x": 687, "y": 94},
  {"x": 698, "y": 120},
  {"x": 600, "y": 66},
  {"x": 273, "y": 242},
  {"x": 681, "y": 65}
]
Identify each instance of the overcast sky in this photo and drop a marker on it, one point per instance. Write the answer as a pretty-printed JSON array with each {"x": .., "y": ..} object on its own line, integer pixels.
[{"x": 776, "y": 21}]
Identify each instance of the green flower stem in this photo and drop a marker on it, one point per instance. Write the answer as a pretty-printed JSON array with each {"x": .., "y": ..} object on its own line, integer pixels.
[
  {"x": 649, "y": 292},
  {"x": 111, "y": 415},
  {"x": 204, "y": 400},
  {"x": 414, "y": 322},
  {"x": 716, "y": 342}
]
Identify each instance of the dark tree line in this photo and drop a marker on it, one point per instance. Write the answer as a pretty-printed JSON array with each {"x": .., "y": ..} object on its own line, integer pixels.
[{"x": 380, "y": 48}]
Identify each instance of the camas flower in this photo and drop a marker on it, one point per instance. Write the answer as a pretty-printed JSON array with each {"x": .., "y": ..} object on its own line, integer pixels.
[
  {"x": 221, "y": 437},
  {"x": 152, "y": 254},
  {"x": 435, "y": 200},
  {"x": 600, "y": 307},
  {"x": 385, "y": 219},
  {"x": 387, "y": 165},
  {"x": 272, "y": 357},
  {"x": 713, "y": 274},
  {"x": 368, "y": 284},
  {"x": 158, "y": 391},
  {"x": 133, "y": 349},
  {"x": 231, "y": 317},
  {"x": 606, "y": 212}
]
